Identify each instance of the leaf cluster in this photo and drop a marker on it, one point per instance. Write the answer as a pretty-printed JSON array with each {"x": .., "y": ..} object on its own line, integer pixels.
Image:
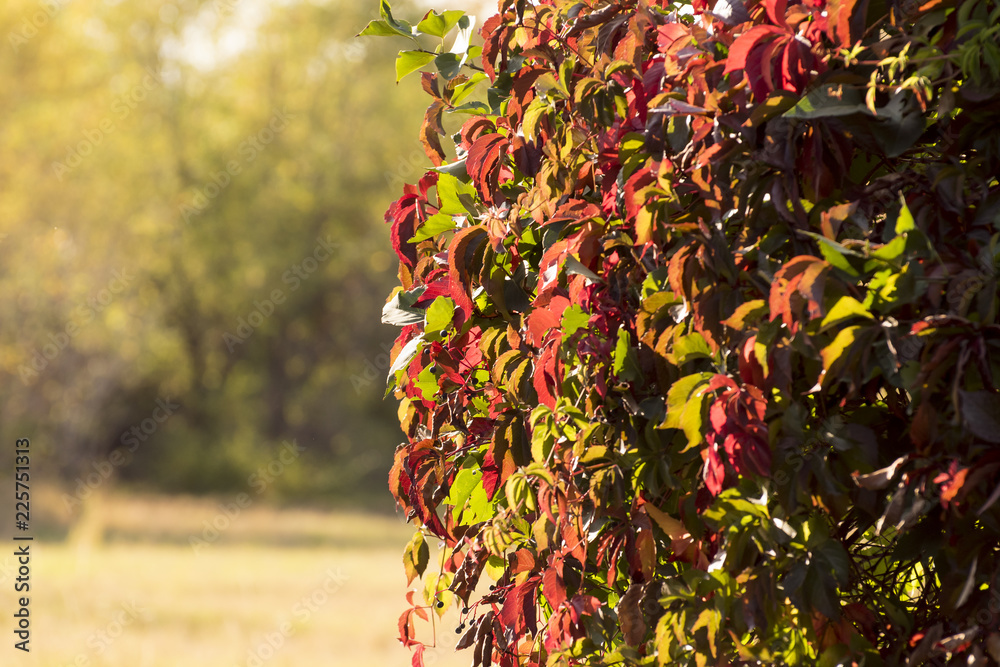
[{"x": 699, "y": 336}]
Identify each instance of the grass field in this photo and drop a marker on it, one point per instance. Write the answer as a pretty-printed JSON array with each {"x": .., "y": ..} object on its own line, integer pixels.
[{"x": 274, "y": 587}]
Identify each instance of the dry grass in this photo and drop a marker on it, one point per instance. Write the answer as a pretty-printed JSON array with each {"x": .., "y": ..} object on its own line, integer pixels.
[{"x": 326, "y": 588}]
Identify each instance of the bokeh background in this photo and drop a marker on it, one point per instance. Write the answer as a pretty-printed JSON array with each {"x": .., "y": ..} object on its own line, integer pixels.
[{"x": 192, "y": 266}]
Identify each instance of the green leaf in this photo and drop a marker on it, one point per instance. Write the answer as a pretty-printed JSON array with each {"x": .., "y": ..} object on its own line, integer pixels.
[
  {"x": 408, "y": 62},
  {"x": 463, "y": 90},
  {"x": 837, "y": 350},
  {"x": 532, "y": 115},
  {"x": 621, "y": 351},
  {"x": 399, "y": 310},
  {"x": 838, "y": 655},
  {"x": 379, "y": 28},
  {"x": 828, "y": 101},
  {"x": 832, "y": 556},
  {"x": 415, "y": 557},
  {"x": 479, "y": 506},
  {"x": 574, "y": 319},
  {"x": 617, "y": 66},
  {"x": 456, "y": 196},
  {"x": 439, "y": 317},
  {"x": 427, "y": 384},
  {"x": 574, "y": 266},
  {"x": 406, "y": 354},
  {"x": 891, "y": 251},
  {"x": 495, "y": 567},
  {"x": 746, "y": 314},
  {"x": 684, "y": 406},
  {"x": 434, "y": 225},
  {"x": 449, "y": 64},
  {"x": 626, "y": 365},
  {"x": 821, "y": 591},
  {"x": 472, "y": 109},
  {"x": 981, "y": 414},
  {"x": 401, "y": 27},
  {"x": 462, "y": 486},
  {"x": 710, "y": 619},
  {"x": 905, "y": 222},
  {"x": 901, "y": 124},
  {"x": 835, "y": 253},
  {"x": 777, "y": 103},
  {"x": 692, "y": 346},
  {"x": 845, "y": 308},
  {"x": 439, "y": 25},
  {"x": 456, "y": 169}
]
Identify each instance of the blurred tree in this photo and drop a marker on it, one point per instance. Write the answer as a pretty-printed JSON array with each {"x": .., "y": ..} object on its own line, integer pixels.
[{"x": 190, "y": 216}]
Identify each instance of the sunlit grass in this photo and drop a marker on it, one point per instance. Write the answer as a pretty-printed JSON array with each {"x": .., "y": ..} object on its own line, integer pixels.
[{"x": 146, "y": 598}]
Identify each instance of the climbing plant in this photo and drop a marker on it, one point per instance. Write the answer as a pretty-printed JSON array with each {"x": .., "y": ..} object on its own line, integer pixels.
[{"x": 699, "y": 332}]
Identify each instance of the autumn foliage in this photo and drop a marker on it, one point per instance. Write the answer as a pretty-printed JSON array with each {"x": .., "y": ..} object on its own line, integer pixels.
[{"x": 699, "y": 333}]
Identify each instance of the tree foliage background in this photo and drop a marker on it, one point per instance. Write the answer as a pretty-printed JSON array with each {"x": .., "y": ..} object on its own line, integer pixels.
[
  {"x": 138, "y": 264},
  {"x": 699, "y": 332}
]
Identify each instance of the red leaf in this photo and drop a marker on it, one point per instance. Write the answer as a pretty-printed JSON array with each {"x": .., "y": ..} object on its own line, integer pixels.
[
  {"x": 767, "y": 55},
  {"x": 718, "y": 417},
  {"x": 459, "y": 279},
  {"x": 541, "y": 322},
  {"x": 785, "y": 285},
  {"x": 522, "y": 560},
  {"x": 812, "y": 286},
  {"x": 715, "y": 470},
  {"x": 776, "y": 10},
  {"x": 545, "y": 379},
  {"x": 553, "y": 585},
  {"x": 474, "y": 128},
  {"x": 840, "y": 12},
  {"x": 791, "y": 67},
  {"x": 402, "y": 214},
  {"x": 406, "y": 632},
  {"x": 951, "y": 482},
  {"x": 667, "y": 34},
  {"x": 428, "y": 81},
  {"x": 635, "y": 198},
  {"x": 483, "y": 164},
  {"x": 493, "y": 32},
  {"x": 430, "y": 133},
  {"x": 745, "y": 43},
  {"x": 518, "y": 610},
  {"x": 434, "y": 289},
  {"x": 751, "y": 371}
]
